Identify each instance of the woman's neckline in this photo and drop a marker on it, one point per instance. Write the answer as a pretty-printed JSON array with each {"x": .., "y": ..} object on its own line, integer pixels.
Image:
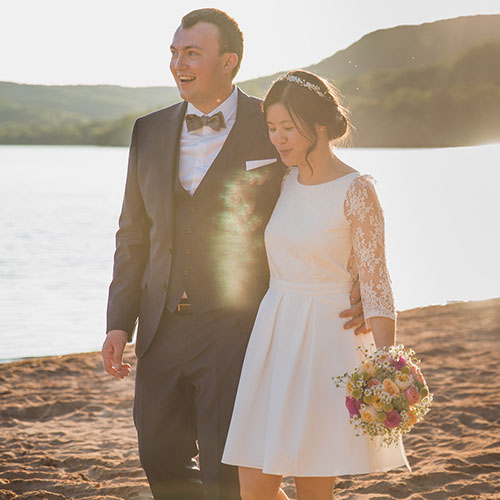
[{"x": 322, "y": 183}]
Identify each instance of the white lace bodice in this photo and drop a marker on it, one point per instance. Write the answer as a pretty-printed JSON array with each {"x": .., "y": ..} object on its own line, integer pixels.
[{"x": 322, "y": 233}]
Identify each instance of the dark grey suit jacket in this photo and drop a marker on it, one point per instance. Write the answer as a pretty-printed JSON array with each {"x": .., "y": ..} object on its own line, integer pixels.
[{"x": 144, "y": 241}]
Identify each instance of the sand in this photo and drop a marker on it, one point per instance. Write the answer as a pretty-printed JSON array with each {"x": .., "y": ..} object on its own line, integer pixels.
[{"x": 66, "y": 427}]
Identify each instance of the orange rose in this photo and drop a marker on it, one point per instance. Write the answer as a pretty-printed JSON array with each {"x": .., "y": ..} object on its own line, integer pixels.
[
  {"x": 403, "y": 380},
  {"x": 390, "y": 387},
  {"x": 377, "y": 402},
  {"x": 349, "y": 387},
  {"x": 368, "y": 414},
  {"x": 369, "y": 367},
  {"x": 412, "y": 417}
]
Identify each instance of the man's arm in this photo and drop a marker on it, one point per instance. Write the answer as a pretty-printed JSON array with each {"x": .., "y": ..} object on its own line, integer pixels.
[
  {"x": 132, "y": 251},
  {"x": 131, "y": 255}
]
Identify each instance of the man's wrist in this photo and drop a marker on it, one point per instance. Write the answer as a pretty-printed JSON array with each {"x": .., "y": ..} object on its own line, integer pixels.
[{"x": 117, "y": 331}]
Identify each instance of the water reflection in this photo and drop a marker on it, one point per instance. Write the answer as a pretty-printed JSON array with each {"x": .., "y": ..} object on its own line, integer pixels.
[{"x": 60, "y": 207}]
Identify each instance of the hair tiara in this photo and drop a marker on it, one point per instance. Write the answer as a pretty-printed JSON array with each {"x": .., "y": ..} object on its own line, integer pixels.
[{"x": 308, "y": 85}]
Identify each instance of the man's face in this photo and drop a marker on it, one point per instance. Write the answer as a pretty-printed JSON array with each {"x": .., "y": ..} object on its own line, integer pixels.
[{"x": 197, "y": 66}]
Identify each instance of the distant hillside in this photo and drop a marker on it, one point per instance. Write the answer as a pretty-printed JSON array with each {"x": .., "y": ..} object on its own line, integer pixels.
[
  {"x": 400, "y": 47},
  {"x": 441, "y": 105},
  {"x": 43, "y": 104},
  {"x": 437, "y": 84},
  {"x": 411, "y": 46}
]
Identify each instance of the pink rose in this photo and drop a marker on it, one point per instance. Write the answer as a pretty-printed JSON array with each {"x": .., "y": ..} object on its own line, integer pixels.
[
  {"x": 372, "y": 382},
  {"x": 399, "y": 363},
  {"x": 412, "y": 395},
  {"x": 393, "y": 419},
  {"x": 417, "y": 374},
  {"x": 353, "y": 405}
]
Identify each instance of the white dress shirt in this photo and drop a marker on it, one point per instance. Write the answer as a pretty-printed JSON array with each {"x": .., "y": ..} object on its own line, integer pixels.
[{"x": 199, "y": 148}]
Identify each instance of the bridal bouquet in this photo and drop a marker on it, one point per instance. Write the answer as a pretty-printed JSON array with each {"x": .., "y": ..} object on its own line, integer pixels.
[{"x": 387, "y": 395}]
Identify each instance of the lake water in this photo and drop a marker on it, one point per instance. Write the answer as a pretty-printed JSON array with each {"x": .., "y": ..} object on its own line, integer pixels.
[{"x": 59, "y": 208}]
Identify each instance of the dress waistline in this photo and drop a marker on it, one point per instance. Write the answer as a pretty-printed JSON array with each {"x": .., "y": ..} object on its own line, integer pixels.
[{"x": 314, "y": 288}]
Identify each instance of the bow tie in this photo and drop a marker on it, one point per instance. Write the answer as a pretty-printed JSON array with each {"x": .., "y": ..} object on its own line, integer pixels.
[{"x": 216, "y": 122}]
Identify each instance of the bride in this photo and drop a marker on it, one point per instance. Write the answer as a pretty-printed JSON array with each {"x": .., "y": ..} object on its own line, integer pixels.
[{"x": 289, "y": 418}]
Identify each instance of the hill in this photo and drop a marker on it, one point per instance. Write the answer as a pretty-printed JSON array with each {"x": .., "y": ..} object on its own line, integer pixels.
[
  {"x": 452, "y": 104},
  {"x": 402, "y": 47},
  {"x": 42, "y": 104},
  {"x": 437, "y": 84}
]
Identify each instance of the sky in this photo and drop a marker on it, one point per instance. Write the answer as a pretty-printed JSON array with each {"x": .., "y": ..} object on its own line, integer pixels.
[{"x": 126, "y": 42}]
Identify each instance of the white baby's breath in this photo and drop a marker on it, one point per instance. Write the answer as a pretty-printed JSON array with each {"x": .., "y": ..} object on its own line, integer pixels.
[{"x": 384, "y": 361}]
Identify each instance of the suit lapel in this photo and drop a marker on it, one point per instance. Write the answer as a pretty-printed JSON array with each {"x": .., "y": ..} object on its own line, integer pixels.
[
  {"x": 168, "y": 157},
  {"x": 235, "y": 148},
  {"x": 247, "y": 121}
]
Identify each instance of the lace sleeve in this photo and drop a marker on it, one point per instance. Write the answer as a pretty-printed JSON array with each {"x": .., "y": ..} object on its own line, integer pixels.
[{"x": 366, "y": 224}]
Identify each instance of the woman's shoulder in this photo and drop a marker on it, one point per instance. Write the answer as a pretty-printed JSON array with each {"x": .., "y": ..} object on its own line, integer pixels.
[
  {"x": 361, "y": 179},
  {"x": 361, "y": 196},
  {"x": 361, "y": 185}
]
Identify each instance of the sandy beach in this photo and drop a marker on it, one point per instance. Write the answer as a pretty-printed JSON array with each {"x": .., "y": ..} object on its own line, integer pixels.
[{"x": 66, "y": 429}]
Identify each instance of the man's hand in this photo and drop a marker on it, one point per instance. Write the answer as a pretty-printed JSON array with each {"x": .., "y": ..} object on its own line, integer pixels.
[
  {"x": 112, "y": 354},
  {"x": 355, "y": 312}
]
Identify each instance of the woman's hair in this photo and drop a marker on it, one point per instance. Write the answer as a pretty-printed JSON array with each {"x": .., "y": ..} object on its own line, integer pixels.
[{"x": 310, "y": 100}]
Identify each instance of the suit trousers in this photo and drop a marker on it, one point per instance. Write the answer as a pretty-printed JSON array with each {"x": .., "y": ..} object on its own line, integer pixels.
[{"x": 186, "y": 384}]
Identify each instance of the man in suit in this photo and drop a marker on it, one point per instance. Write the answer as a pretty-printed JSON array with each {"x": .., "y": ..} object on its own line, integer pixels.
[{"x": 190, "y": 261}]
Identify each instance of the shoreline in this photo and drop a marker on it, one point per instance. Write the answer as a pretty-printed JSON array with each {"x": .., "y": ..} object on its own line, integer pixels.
[
  {"x": 7, "y": 361},
  {"x": 66, "y": 429}
]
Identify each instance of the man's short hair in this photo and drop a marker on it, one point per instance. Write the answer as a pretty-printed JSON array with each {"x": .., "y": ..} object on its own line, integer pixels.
[{"x": 230, "y": 35}]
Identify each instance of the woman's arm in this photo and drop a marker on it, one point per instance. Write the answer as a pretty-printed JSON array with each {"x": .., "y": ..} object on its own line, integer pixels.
[
  {"x": 366, "y": 224},
  {"x": 384, "y": 331}
]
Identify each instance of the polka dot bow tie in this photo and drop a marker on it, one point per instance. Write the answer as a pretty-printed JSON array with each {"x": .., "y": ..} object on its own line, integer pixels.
[{"x": 216, "y": 122}]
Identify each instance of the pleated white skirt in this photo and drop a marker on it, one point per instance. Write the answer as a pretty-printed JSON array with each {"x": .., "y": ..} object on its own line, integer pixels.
[{"x": 289, "y": 418}]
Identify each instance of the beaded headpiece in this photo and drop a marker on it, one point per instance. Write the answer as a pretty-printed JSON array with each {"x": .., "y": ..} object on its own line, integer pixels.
[{"x": 308, "y": 85}]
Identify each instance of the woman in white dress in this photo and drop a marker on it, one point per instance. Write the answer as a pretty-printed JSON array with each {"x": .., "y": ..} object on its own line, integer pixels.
[{"x": 327, "y": 226}]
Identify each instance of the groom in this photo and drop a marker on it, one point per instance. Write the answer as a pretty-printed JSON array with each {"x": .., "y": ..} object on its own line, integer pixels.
[{"x": 190, "y": 262}]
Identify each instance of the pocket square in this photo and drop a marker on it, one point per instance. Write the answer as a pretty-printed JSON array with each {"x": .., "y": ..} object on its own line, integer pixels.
[{"x": 251, "y": 164}]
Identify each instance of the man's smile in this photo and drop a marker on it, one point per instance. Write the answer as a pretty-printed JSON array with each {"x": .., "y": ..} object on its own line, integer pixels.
[{"x": 186, "y": 78}]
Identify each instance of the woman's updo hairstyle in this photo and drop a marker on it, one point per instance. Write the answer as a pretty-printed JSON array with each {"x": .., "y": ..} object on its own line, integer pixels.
[{"x": 311, "y": 100}]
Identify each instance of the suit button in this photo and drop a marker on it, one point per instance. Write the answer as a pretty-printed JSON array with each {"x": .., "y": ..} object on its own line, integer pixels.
[
  {"x": 189, "y": 230},
  {"x": 164, "y": 287},
  {"x": 185, "y": 273},
  {"x": 187, "y": 251}
]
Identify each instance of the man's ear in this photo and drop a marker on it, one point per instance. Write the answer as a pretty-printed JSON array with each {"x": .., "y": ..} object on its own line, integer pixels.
[{"x": 230, "y": 61}]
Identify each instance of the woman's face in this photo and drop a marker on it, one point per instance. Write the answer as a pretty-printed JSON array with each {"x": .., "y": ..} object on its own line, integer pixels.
[{"x": 285, "y": 137}]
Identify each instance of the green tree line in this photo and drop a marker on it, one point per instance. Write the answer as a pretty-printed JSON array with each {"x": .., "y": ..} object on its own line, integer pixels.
[{"x": 437, "y": 84}]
